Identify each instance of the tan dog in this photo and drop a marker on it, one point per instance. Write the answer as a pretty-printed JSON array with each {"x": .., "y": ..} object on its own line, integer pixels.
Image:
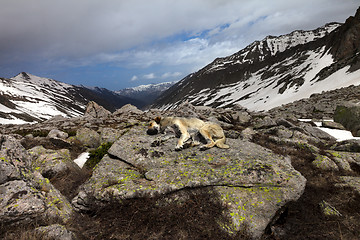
[{"x": 208, "y": 130}]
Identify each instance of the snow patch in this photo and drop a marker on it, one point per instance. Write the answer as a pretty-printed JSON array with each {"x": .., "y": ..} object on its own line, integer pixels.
[{"x": 81, "y": 159}]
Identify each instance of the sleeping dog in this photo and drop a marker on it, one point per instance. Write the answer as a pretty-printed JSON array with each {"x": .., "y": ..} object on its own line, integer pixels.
[{"x": 211, "y": 132}]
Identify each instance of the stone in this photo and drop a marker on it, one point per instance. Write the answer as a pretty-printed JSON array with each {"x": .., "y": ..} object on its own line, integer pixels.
[
  {"x": 55, "y": 133},
  {"x": 349, "y": 181},
  {"x": 94, "y": 110},
  {"x": 328, "y": 210},
  {"x": 55, "y": 232},
  {"x": 254, "y": 182},
  {"x": 109, "y": 134},
  {"x": 264, "y": 122},
  {"x": 332, "y": 125},
  {"x": 128, "y": 109},
  {"x": 352, "y": 145},
  {"x": 348, "y": 114},
  {"x": 25, "y": 194},
  {"x": 88, "y": 137},
  {"x": 51, "y": 163},
  {"x": 324, "y": 163}
]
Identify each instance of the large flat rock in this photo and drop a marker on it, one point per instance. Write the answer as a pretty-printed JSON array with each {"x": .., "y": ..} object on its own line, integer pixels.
[{"x": 252, "y": 181}]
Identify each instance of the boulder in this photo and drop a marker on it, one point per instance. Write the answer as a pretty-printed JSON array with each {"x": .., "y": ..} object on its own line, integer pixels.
[
  {"x": 128, "y": 109},
  {"x": 96, "y": 111},
  {"x": 348, "y": 114},
  {"x": 324, "y": 163},
  {"x": 253, "y": 182},
  {"x": 332, "y": 125},
  {"x": 51, "y": 163},
  {"x": 88, "y": 137},
  {"x": 55, "y": 232},
  {"x": 352, "y": 145},
  {"x": 350, "y": 181},
  {"x": 25, "y": 194},
  {"x": 55, "y": 133},
  {"x": 110, "y": 134}
]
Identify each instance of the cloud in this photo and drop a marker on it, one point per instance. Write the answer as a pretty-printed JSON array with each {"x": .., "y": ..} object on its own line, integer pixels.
[
  {"x": 171, "y": 75},
  {"x": 134, "y": 78},
  {"x": 149, "y": 76},
  {"x": 141, "y": 34}
]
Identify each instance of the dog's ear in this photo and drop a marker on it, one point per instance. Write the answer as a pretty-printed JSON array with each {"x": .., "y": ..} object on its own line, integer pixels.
[{"x": 157, "y": 120}]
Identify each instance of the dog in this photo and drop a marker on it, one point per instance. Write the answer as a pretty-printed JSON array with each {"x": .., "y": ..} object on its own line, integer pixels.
[{"x": 184, "y": 126}]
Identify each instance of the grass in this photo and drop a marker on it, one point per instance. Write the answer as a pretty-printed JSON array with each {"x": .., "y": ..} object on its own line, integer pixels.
[{"x": 194, "y": 215}]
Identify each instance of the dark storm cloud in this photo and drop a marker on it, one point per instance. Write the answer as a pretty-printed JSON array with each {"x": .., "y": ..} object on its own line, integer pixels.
[{"x": 142, "y": 33}]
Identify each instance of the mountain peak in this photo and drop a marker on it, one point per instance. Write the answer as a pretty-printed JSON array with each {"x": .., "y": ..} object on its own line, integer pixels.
[
  {"x": 345, "y": 42},
  {"x": 23, "y": 75},
  {"x": 275, "y": 70}
]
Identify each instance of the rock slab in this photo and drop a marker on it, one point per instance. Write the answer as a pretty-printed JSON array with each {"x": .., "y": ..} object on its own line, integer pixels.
[{"x": 252, "y": 181}]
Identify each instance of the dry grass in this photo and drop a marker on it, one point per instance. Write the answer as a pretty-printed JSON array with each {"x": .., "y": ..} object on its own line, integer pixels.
[
  {"x": 195, "y": 216},
  {"x": 303, "y": 218}
]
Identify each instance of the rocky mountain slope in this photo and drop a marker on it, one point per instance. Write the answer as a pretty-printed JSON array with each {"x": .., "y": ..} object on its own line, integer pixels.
[
  {"x": 276, "y": 70},
  {"x": 28, "y": 98},
  {"x": 280, "y": 179},
  {"x": 145, "y": 94}
]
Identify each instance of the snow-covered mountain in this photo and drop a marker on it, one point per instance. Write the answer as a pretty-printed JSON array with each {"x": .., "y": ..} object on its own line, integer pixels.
[
  {"x": 28, "y": 98},
  {"x": 276, "y": 70},
  {"x": 145, "y": 93}
]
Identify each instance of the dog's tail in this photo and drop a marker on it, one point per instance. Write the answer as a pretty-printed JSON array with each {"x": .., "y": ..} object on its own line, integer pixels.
[{"x": 220, "y": 143}]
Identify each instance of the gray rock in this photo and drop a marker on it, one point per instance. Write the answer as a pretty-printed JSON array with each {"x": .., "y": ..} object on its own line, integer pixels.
[
  {"x": 264, "y": 122},
  {"x": 324, "y": 163},
  {"x": 254, "y": 182},
  {"x": 20, "y": 202},
  {"x": 55, "y": 133},
  {"x": 348, "y": 114},
  {"x": 349, "y": 181},
  {"x": 24, "y": 193},
  {"x": 88, "y": 137},
  {"x": 343, "y": 159},
  {"x": 51, "y": 163},
  {"x": 128, "y": 109},
  {"x": 110, "y": 134},
  {"x": 96, "y": 111},
  {"x": 332, "y": 125},
  {"x": 352, "y": 145},
  {"x": 55, "y": 232}
]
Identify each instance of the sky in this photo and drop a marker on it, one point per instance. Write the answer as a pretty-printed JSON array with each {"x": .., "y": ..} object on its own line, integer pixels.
[{"x": 125, "y": 43}]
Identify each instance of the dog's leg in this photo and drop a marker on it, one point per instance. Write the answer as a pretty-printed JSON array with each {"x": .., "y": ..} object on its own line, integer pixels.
[
  {"x": 183, "y": 138},
  {"x": 206, "y": 134},
  {"x": 195, "y": 139}
]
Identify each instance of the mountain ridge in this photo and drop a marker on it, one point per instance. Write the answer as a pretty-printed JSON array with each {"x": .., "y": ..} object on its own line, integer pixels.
[
  {"x": 145, "y": 94},
  {"x": 27, "y": 98},
  {"x": 258, "y": 80}
]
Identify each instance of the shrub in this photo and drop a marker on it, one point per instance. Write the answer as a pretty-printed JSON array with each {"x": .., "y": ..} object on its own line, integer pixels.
[{"x": 97, "y": 154}]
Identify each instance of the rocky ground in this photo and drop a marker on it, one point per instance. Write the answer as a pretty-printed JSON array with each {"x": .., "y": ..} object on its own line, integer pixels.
[{"x": 280, "y": 179}]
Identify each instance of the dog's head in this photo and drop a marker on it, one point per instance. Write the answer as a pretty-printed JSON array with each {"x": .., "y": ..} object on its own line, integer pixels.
[{"x": 154, "y": 126}]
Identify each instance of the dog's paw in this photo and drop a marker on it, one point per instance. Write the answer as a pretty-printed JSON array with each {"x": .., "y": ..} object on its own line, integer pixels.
[
  {"x": 204, "y": 148},
  {"x": 178, "y": 148}
]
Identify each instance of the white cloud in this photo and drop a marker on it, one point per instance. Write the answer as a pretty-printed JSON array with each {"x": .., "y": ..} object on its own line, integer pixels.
[
  {"x": 134, "y": 78},
  {"x": 171, "y": 75},
  {"x": 149, "y": 76}
]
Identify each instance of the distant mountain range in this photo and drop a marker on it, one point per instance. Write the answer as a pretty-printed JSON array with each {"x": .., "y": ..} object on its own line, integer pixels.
[
  {"x": 27, "y": 98},
  {"x": 145, "y": 94},
  {"x": 276, "y": 70}
]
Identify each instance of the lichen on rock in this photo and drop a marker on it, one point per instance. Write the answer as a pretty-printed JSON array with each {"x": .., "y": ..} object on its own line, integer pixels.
[{"x": 252, "y": 181}]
